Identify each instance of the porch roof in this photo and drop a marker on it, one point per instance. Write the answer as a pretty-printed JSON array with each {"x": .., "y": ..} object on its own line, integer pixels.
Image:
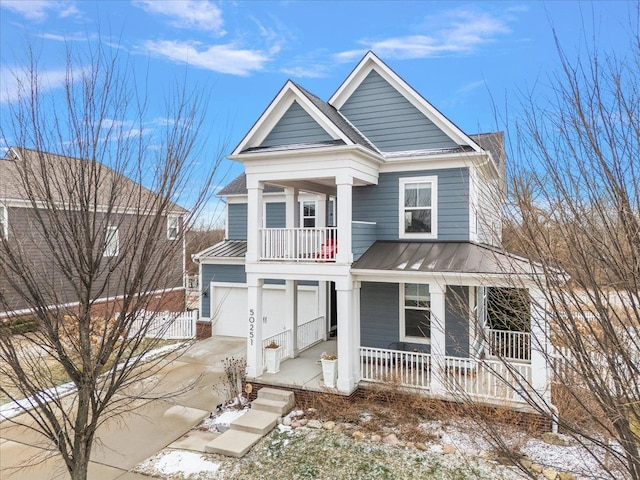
[
  {"x": 224, "y": 249},
  {"x": 442, "y": 257}
]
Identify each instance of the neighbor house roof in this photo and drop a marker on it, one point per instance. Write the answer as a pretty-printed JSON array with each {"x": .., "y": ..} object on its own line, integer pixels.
[
  {"x": 441, "y": 257},
  {"x": 61, "y": 172}
]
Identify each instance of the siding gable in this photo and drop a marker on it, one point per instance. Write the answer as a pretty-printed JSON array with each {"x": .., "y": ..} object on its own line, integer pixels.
[
  {"x": 295, "y": 126},
  {"x": 389, "y": 120}
]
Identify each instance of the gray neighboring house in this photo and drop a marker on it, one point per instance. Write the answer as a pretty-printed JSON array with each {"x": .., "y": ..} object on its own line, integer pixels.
[
  {"x": 373, "y": 218},
  {"x": 18, "y": 226}
]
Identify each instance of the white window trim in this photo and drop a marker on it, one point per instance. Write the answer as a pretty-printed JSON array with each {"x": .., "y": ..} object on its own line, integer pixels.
[
  {"x": 4, "y": 215},
  {"x": 403, "y": 337},
  {"x": 177, "y": 220},
  {"x": 111, "y": 231},
  {"x": 434, "y": 207},
  {"x": 315, "y": 215}
]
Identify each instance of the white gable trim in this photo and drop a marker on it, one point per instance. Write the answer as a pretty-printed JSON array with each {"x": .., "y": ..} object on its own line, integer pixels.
[
  {"x": 277, "y": 108},
  {"x": 372, "y": 62}
]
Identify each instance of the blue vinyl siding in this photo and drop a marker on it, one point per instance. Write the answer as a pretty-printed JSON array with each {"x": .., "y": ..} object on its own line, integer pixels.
[
  {"x": 389, "y": 120},
  {"x": 380, "y": 203},
  {"x": 379, "y": 308},
  {"x": 276, "y": 215},
  {"x": 218, "y": 273},
  {"x": 237, "y": 221},
  {"x": 295, "y": 126},
  {"x": 363, "y": 236},
  {"x": 457, "y": 321}
]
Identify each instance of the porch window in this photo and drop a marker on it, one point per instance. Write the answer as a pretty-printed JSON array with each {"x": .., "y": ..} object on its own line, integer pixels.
[
  {"x": 173, "y": 222},
  {"x": 4, "y": 222},
  {"x": 418, "y": 207},
  {"x": 308, "y": 214},
  {"x": 415, "y": 317},
  {"x": 111, "y": 242}
]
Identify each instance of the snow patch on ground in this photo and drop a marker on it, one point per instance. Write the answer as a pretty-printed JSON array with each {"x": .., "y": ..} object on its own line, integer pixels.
[{"x": 172, "y": 462}]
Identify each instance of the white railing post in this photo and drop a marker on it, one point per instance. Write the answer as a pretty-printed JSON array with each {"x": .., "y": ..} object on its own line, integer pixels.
[{"x": 438, "y": 341}]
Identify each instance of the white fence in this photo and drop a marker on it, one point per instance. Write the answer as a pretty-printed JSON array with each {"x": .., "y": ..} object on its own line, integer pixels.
[{"x": 166, "y": 325}]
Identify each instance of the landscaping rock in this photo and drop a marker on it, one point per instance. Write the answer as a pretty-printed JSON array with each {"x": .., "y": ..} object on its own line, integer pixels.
[
  {"x": 314, "y": 424},
  {"x": 526, "y": 463},
  {"x": 566, "y": 476},
  {"x": 549, "y": 474},
  {"x": 435, "y": 448},
  {"x": 303, "y": 422},
  {"x": 358, "y": 435},
  {"x": 448, "y": 449},
  {"x": 535, "y": 468},
  {"x": 338, "y": 428},
  {"x": 329, "y": 425},
  {"x": 296, "y": 424},
  {"x": 286, "y": 421},
  {"x": 391, "y": 439},
  {"x": 556, "y": 439},
  {"x": 411, "y": 445},
  {"x": 421, "y": 446},
  {"x": 376, "y": 438}
]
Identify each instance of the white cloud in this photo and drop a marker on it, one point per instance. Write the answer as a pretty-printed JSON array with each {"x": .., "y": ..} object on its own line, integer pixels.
[
  {"x": 227, "y": 58},
  {"x": 470, "y": 87},
  {"x": 16, "y": 82},
  {"x": 455, "y": 32},
  {"x": 312, "y": 71},
  {"x": 39, "y": 10},
  {"x": 195, "y": 14}
]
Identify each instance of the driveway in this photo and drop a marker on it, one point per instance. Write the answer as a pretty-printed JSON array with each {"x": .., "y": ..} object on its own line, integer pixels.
[{"x": 150, "y": 426}]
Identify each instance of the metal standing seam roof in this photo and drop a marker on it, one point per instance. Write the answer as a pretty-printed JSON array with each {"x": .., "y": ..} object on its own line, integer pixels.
[
  {"x": 224, "y": 249},
  {"x": 441, "y": 257}
]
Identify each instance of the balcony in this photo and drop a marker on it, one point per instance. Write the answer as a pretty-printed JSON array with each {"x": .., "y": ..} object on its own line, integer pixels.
[{"x": 299, "y": 244}]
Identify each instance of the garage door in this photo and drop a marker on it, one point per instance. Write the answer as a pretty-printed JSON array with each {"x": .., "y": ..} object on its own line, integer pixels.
[{"x": 229, "y": 308}]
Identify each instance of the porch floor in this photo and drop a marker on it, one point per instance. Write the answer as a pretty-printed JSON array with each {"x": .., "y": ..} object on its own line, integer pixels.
[{"x": 304, "y": 371}]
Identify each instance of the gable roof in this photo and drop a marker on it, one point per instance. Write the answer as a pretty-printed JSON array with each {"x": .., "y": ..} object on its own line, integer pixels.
[
  {"x": 370, "y": 62},
  {"x": 57, "y": 169}
]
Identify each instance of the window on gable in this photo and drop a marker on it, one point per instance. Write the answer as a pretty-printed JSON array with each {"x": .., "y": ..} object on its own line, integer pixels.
[
  {"x": 415, "y": 317},
  {"x": 4, "y": 222},
  {"x": 111, "y": 242},
  {"x": 418, "y": 207},
  {"x": 173, "y": 225},
  {"x": 309, "y": 214}
]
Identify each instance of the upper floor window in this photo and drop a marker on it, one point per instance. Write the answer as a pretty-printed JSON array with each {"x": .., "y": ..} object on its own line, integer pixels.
[
  {"x": 308, "y": 213},
  {"x": 111, "y": 242},
  {"x": 173, "y": 226},
  {"x": 418, "y": 207},
  {"x": 415, "y": 316},
  {"x": 4, "y": 222}
]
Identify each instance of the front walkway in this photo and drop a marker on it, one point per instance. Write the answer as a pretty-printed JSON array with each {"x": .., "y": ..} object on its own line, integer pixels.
[{"x": 304, "y": 371}]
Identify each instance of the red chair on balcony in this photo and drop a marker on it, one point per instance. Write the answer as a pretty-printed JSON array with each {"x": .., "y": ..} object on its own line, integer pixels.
[{"x": 327, "y": 250}]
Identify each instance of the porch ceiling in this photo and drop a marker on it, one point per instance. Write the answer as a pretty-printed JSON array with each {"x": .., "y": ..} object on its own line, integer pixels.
[{"x": 442, "y": 257}]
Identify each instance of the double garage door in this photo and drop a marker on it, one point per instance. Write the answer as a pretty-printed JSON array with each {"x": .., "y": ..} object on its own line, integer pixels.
[{"x": 229, "y": 308}]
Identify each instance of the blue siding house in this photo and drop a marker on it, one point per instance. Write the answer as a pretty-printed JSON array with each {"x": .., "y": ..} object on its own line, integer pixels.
[{"x": 372, "y": 221}]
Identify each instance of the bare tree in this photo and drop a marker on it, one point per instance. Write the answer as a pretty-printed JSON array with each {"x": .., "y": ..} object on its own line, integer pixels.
[
  {"x": 576, "y": 205},
  {"x": 100, "y": 180}
]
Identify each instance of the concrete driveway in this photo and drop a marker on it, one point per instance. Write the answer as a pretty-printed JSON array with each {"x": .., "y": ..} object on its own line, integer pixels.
[{"x": 150, "y": 426}]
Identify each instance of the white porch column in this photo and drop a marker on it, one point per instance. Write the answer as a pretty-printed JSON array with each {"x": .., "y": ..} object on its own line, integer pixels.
[
  {"x": 323, "y": 306},
  {"x": 540, "y": 368},
  {"x": 438, "y": 341},
  {"x": 291, "y": 319},
  {"x": 344, "y": 213},
  {"x": 346, "y": 332},
  {"x": 254, "y": 219},
  {"x": 255, "y": 367},
  {"x": 291, "y": 207},
  {"x": 321, "y": 211},
  {"x": 355, "y": 320}
]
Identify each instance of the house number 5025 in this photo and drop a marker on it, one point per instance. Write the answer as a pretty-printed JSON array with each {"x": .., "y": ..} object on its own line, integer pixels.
[{"x": 252, "y": 325}]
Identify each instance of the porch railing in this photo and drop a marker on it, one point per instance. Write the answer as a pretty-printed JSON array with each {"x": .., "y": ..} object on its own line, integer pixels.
[
  {"x": 283, "y": 339},
  {"x": 311, "y": 333},
  {"x": 299, "y": 244},
  {"x": 509, "y": 345},
  {"x": 394, "y": 366},
  {"x": 489, "y": 379}
]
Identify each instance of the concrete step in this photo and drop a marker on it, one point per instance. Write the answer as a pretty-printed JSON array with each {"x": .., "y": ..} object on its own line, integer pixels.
[
  {"x": 233, "y": 443},
  {"x": 255, "y": 421},
  {"x": 277, "y": 394},
  {"x": 272, "y": 406}
]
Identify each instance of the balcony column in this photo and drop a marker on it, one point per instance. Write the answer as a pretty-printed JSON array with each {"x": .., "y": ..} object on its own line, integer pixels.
[
  {"x": 355, "y": 320},
  {"x": 345, "y": 215},
  {"x": 321, "y": 211},
  {"x": 292, "y": 215},
  {"x": 254, "y": 219},
  {"x": 291, "y": 318},
  {"x": 347, "y": 354},
  {"x": 540, "y": 368},
  {"x": 255, "y": 367},
  {"x": 438, "y": 340}
]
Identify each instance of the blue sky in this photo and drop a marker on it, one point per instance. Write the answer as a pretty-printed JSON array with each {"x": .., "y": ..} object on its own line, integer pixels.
[{"x": 461, "y": 56}]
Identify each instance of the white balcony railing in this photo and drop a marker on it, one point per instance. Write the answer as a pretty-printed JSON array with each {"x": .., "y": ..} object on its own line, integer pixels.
[
  {"x": 509, "y": 345},
  {"x": 299, "y": 244}
]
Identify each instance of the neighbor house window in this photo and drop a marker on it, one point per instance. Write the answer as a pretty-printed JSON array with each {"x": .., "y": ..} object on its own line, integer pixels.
[
  {"x": 4, "y": 222},
  {"x": 173, "y": 225},
  {"x": 308, "y": 214},
  {"x": 111, "y": 242},
  {"x": 415, "y": 317},
  {"x": 418, "y": 207}
]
